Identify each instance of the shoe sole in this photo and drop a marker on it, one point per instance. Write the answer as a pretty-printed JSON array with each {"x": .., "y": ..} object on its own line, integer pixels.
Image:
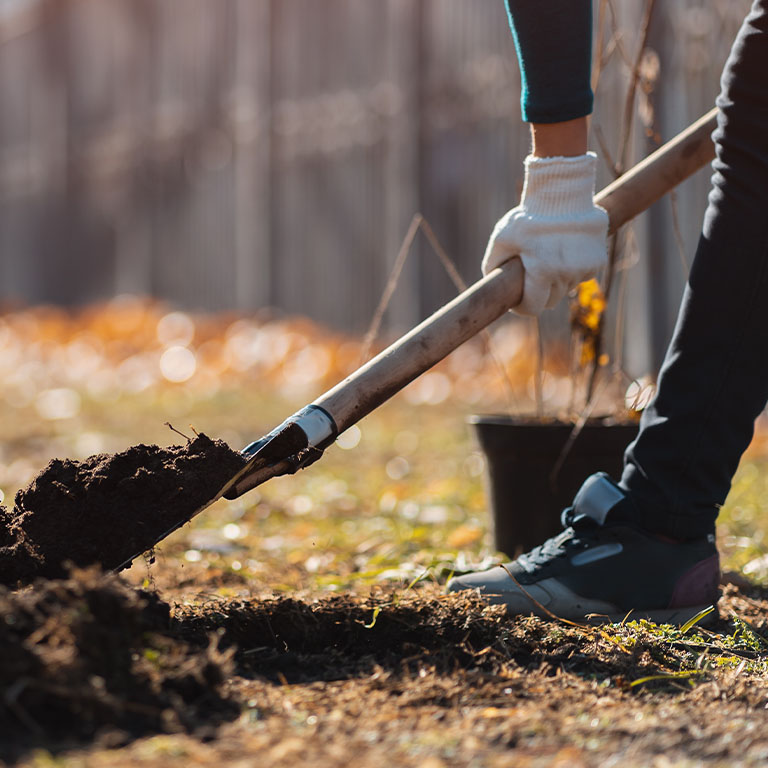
[{"x": 551, "y": 599}]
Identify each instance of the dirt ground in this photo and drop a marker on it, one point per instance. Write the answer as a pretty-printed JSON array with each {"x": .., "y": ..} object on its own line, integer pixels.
[
  {"x": 99, "y": 672},
  {"x": 306, "y": 622}
]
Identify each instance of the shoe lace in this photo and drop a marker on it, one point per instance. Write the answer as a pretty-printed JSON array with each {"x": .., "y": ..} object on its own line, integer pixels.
[{"x": 577, "y": 532}]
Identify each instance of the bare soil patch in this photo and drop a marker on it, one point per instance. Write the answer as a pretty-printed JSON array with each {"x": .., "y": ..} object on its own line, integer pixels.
[{"x": 403, "y": 676}]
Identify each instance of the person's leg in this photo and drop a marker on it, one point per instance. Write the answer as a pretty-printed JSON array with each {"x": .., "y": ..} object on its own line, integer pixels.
[
  {"x": 647, "y": 544},
  {"x": 714, "y": 381}
]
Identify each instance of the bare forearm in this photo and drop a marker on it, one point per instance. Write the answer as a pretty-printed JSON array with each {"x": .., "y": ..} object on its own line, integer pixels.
[{"x": 566, "y": 139}]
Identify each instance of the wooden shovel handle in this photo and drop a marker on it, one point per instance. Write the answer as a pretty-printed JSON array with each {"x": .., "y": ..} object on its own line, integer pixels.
[
  {"x": 485, "y": 301},
  {"x": 641, "y": 186}
]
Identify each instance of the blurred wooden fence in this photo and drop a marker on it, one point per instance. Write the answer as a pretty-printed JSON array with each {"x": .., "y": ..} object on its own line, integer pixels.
[{"x": 251, "y": 153}]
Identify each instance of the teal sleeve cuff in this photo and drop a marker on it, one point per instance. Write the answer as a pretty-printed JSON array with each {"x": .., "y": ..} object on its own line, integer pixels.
[{"x": 553, "y": 39}]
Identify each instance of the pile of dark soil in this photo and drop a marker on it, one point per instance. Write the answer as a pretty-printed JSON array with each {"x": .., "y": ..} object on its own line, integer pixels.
[
  {"x": 110, "y": 507},
  {"x": 89, "y": 657}
]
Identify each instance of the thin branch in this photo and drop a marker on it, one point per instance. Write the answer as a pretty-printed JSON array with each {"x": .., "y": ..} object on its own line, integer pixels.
[
  {"x": 573, "y": 373},
  {"x": 620, "y": 167},
  {"x": 389, "y": 289},
  {"x": 600, "y": 136},
  {"x": 609, "y": 50},
  {"x": 618, "y": 338},
  {"x": 541, "y": 607},
  {"x": 599, "y": 61},
  {"x": 595, "y": 368},
  {"x": 629, "y": 102},
  {"x": 173, "y": 429},
  {"x": 418, "y": 222},
  {"x": 617, "y": 35},
  {"x": 575, "y": 432},
  {"x": 460, "y": 285},
  {"x": 445, "y": 259}
]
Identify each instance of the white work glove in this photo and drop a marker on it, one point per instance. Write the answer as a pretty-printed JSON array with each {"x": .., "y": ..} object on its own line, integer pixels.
[{"x": 557, "y": 230}]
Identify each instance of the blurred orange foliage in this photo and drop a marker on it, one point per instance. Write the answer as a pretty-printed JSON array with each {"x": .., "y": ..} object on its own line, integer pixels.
[{"x": 130, "y": 345}]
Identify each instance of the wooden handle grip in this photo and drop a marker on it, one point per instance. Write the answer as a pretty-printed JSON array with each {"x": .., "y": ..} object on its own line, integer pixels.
[
  {"x": 488, "y": 299},
  {"x": 657, "y": 174}
]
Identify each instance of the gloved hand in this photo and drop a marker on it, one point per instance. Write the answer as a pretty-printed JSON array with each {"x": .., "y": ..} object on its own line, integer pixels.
[{"x": 557, "y": 230}]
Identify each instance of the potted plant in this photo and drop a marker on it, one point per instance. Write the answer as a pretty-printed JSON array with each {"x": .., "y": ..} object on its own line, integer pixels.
[{"x": 535, "y": 464}]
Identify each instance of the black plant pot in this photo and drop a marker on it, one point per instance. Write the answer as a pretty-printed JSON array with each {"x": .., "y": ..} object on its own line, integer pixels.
[{"x": 527, "y": 490}]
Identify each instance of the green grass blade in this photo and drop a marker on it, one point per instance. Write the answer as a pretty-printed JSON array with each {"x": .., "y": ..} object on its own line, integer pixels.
[
  {"x": 696, "y": 619},
  {"x": 683, "y": 674},
  {"x": 376, "y": 612}
]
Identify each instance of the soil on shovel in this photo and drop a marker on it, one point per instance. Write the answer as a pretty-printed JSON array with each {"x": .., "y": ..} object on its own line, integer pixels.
[{"x": 109, "y": 508}]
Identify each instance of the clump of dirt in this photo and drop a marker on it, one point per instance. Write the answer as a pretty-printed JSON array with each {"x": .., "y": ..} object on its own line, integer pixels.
[
  {"x": 110, "y": 507},
  {"x": 88, "y": 657}
]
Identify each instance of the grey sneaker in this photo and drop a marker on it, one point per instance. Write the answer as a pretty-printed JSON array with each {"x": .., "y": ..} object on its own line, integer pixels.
[{"x": 603, "y": 566}]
